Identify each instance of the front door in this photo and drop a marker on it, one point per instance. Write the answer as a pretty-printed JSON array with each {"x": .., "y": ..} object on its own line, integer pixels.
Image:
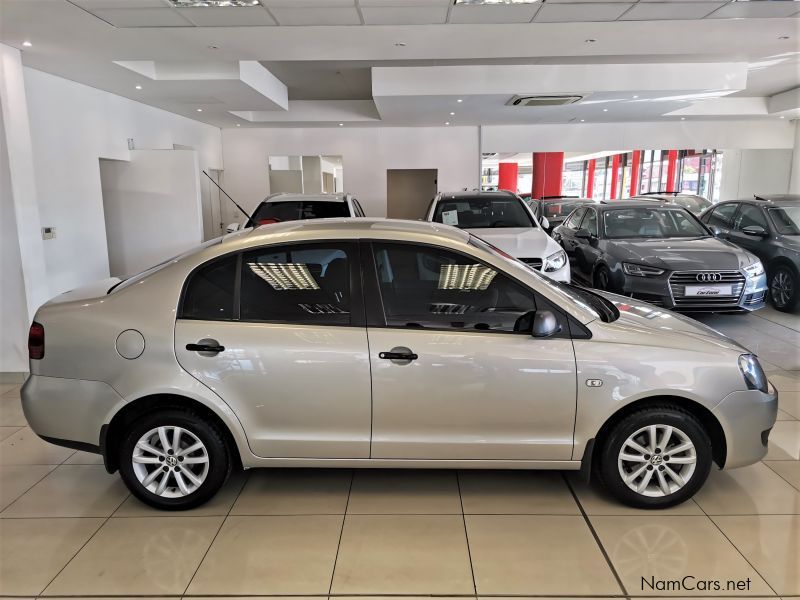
[
  {"x": 456, "y": 373},
  {"x": 290, "y": 356},
  {"x": 750, "y": 216}
]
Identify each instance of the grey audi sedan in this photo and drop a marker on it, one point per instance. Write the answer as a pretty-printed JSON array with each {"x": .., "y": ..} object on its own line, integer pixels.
[
  {"x": 661, "y": 254},
  {"x": 376, "y": 343}
]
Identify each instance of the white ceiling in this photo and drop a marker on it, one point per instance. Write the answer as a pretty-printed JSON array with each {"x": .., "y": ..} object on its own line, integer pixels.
[{"x": 323, "y": 56}]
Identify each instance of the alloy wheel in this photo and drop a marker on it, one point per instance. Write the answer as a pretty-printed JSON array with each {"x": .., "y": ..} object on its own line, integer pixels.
[
  {"x": 170, "y": 462},
  {"x": 781, "y": 288},
  {"x": 657, "y": 460}
]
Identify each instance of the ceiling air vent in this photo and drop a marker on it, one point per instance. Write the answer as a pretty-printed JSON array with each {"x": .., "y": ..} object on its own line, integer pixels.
[{"x": 542, "y": 100}]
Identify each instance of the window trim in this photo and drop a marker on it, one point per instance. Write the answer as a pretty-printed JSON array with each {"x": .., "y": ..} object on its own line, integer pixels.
[
  {"x": 376, "y": 314},
  {"x": 357, "y": 314}
]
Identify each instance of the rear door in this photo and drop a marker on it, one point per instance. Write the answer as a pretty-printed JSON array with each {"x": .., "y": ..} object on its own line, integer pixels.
[{"x": 278, "y": 333}]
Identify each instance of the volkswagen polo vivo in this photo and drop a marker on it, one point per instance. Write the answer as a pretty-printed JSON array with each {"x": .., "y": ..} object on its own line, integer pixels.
[{"x": 379, "y": 343}]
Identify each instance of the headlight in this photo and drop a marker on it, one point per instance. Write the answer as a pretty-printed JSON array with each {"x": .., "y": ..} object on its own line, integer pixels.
[
  {"x": 752, "y": 372},
  {"x": 641, "y": 270},
  {"x": 755, "y": 269},
  {"x": 555, "y": 261}
]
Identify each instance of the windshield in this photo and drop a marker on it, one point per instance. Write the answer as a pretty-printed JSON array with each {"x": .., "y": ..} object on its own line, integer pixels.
[
  {"x": 645, "y": 222},
  {"x": 786, "y": 219},
  {"x": 695, "y": 204},
  {"x": 295, "y": 210},
  {"x": 561, "y": 210},
  {"x": 483, "y": 212},
  {"x": 587, "y": 300}
]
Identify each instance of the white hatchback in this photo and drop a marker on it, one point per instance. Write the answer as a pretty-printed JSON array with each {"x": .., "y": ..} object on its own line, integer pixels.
[{"x": 504, "y": 220}]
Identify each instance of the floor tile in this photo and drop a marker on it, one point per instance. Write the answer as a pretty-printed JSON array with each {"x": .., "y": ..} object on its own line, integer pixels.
[
  {"x": 7, "y": 431},
  {"x": 751, "y": 490},
  {"x": 71, "y": 491},
  {"x": 658, "y": 548},
  {"x": 771, "y": 543},
  {"x": 784, "y": 441},
  {"x": 11, "y": 414},
  {"x": 294, "y": 492},
  {"x": 516, "y": 492},
  {"x": 403, "y": 554},
  {"x": 271, "y": 555},
  {"x": 84, "y": 458},
  {"x": 33, "y": 551},
  {"x": 785, "y": 381},
  {"x": 9, "y": 388},
  {"x": 789, "y": 470},
  {"x": 138, "y": 557},
  {"x": 219, "y": 505},
  {"x": 15, "y": 480},
  {"x": 597, "y": 501},
  {"x": 784, "y": 416},
  {"x": 403, "y": 491},
  {"x": 789, "y": 402},
  {"x": 537, "y": 554},
  {"x": 26, "y": 448}
]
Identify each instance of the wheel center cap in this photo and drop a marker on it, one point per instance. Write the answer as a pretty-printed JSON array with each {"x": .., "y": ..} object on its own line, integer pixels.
[
  {"x": 172, "y": 461},
  {"x": 656, "y": 459}
]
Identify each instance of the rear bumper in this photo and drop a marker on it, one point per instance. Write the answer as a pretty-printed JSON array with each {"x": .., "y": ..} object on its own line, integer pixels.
[
  {"x": 68, "y": 412},
  {"x": 747, "y": 418}
]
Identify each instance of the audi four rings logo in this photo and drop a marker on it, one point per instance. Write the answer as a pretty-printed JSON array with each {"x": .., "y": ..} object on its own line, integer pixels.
[{"x": 706, "y": 277}]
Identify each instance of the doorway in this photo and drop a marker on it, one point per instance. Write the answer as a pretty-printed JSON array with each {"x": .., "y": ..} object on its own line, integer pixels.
[{"x": 409, "y": 192}]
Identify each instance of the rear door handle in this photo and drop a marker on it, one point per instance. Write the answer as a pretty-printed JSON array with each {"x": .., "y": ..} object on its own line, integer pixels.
[
  {"x": 398, "y": 356},
  {"x": 205, "y": 347}
]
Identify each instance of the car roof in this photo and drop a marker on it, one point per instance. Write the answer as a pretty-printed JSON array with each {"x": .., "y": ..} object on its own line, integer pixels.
[
  {"x": 767, "y": 200},
  {"x": 475, "y": 194},
  {"x": 668, "y": 196},
  {"x": 612, "y": 204},
  {"x": 289, "y": 197}
]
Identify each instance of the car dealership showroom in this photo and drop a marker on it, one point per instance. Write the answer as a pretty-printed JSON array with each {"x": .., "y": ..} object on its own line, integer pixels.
[{"x": 364, "y": 299}]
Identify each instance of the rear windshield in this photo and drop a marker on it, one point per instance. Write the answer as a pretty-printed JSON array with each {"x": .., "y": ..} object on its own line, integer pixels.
[
  {"x": 555, "y": 210},
  {"x": 483, "y": 213},
  {"x": 295, "y": 210},
  {"x": 694, "y": 204},
  {"x": 643, "y": 222}
]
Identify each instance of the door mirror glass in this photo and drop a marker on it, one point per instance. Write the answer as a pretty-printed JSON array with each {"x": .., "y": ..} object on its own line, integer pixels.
[
  {"x": 545, "y": 324},
  {"x": 754, "y": 230},
  {"x": 583, "y": 234}
]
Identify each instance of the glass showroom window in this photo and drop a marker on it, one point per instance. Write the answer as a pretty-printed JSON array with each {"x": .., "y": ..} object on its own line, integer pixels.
[{"x": 572, "y": 182}]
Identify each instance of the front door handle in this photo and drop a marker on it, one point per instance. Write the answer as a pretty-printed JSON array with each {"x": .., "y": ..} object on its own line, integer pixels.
[
  {"x": 206, "y": 346},
  {"x": 398, "y": 354}
]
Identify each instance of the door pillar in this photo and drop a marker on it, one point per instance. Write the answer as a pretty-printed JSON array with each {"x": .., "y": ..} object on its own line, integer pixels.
[
  {"x": 507, "y": 176},
  {"x": 590, "y": 177},
  {"x": 672, "y": 167},
  {"x": 636, "y": 161},
  {"x": 548, "y": 171}
]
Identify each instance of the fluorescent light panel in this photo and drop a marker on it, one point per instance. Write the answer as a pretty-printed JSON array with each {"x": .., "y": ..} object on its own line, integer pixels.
[
  {"x": 285, "y": 276},
  {"x": 483, "y": 2},
  {"x": 465, "y": 277},
  {"x": 212, "y": 3}
]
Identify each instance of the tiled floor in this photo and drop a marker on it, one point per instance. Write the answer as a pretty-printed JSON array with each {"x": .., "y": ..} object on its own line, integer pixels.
[{"x": 69, "y": 529}]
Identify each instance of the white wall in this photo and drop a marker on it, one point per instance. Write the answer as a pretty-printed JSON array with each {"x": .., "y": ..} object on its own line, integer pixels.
[
  {"x": 749, "y": 172},
  {"x": 366, "y": 153},
  {"x": 72, "y": 126},
  {"x": 152, "y": 208},
  {"x": 794, "y": 184}
]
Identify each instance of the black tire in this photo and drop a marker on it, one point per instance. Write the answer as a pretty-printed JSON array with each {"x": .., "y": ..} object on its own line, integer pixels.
[
  {"x": 608, "y": 467},
  {"x": 784, "y": 288},
  {"x": 602, "y": 279},
  {"x": 219, "y": 458}
]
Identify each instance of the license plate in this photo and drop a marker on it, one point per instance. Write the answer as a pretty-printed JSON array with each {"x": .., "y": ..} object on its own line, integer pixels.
[{"x": 709, "y": 290}]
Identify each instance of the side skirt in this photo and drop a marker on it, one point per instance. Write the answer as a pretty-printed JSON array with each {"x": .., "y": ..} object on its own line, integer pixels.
[{"x": 402, "y": 463}]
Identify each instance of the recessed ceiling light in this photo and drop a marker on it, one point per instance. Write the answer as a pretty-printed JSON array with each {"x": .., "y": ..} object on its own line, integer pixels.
[
  {"x": 590, "y": 41},
  {"x": 27, "y": 44},
  {"x": 782, "y": 117},
  {"x": 400, "y": 44},
  {"x": 138, "y": 87},
  {"x": 783, "y": 37},
  {"x": 238, "y": 124},
  {"x": 447, "y": 122},
  {"x": 213, "y": 47},
  {"x": 341, "y": 124},
  {"x": 605, "y": 110},
  {"x": 199, "y": 110},
  {"x": 583, "y": 120},
  {"x": 459, "y": 100},
  {"x": 683, "y": 118},
  {"x": 452, "y": 114},
  {"x": 635, "y": 97}
]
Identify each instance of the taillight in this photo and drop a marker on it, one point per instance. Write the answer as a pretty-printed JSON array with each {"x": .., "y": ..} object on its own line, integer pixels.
[{"x": 36, "y": 341}]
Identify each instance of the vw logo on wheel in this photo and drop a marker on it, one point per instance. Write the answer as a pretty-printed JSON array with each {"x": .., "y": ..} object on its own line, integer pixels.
[{"x": 706, "y": 277}]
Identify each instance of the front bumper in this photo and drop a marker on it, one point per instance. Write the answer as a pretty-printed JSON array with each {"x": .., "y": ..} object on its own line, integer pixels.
[
  {"x": 669, "y": 291},
  {"x": 70, "y": 412},
  {"x": 747, "y": 418}
]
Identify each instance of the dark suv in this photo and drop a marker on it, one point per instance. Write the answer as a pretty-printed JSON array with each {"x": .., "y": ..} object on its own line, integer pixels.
[{"x": 769, "y": 227}]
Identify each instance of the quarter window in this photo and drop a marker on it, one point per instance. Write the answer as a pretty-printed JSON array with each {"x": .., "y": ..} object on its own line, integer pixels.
[
  {"x": 748, "y": 216},
  {"x": 722, "y": 216},
  {"x": 424, "y": 287},
  {"x": 297, "y": 284},
  {"x": 210, "y": 292}
]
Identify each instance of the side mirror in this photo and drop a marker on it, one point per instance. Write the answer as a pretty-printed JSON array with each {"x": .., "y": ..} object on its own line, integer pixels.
[
  {"x": 544, "y": 223},
  {"x": 232, "y": 227},
  {"x": 545, "y": 324},
  {"x": 583, "y": 234},
  {"x": 755, "y": 231}
]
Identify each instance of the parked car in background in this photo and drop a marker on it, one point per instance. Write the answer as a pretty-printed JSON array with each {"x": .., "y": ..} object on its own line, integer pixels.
[
  {"x": 553, "y": 210},
  {"x": 769, "y": 227},
  {"x": 662, "y": 254},
  {"x": 358, "y": 343},
  {"x": 506, "y": 221},
  {"x": 693, "y": 203},
  {"x": 293, "y": 207}
]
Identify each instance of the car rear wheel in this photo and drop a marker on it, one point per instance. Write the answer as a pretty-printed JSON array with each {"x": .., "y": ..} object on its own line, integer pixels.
[
  {"x": 784, "y": 289},
  {"x": 656, "y": 457},
  {"x": 174, "y": 460}
]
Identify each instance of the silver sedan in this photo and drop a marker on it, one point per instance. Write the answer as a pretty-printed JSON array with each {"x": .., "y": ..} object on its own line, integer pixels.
[{"x": 378, "y": 343}]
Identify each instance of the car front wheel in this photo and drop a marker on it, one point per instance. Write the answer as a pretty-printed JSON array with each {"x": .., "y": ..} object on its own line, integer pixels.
[
  {"x": 174, "y": 460},
  {"x": 656, "y": 457},
  {"x": 784, "y": 289}
]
